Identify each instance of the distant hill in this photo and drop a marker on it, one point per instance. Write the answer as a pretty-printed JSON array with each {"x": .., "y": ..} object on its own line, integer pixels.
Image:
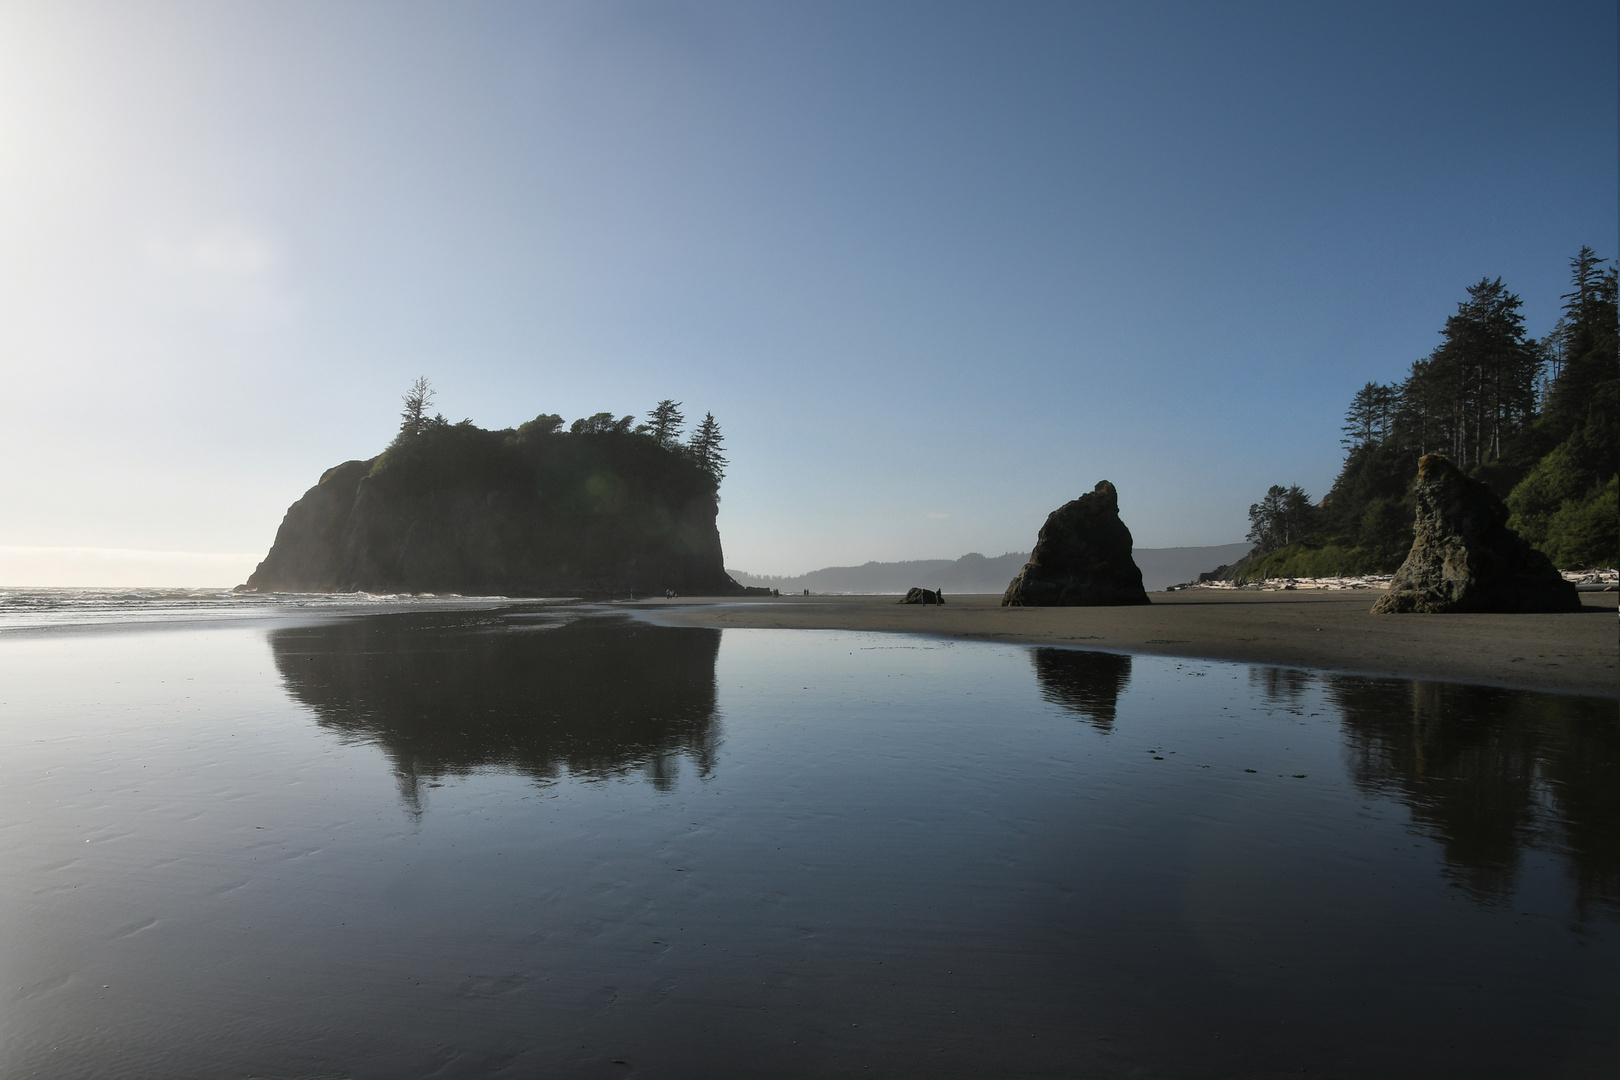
[
  {"x": 974, "y": 573},
  {"x": 1163, "y": 567}
]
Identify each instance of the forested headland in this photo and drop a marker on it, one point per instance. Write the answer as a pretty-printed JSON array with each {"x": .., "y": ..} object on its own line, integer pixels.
[
  {"x": 601, "y": 507},
  {"x": 1536, "y": 419}
]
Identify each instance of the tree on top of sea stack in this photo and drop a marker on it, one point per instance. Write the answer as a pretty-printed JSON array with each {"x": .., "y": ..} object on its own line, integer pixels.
[
  {"x": 705, "y": 447},
  {"x": 1082, "y": 558},
  {"x": 664, "y": 423},
  {"x": 413, "y": 418},
  {"x": 1465, "y": 558}
]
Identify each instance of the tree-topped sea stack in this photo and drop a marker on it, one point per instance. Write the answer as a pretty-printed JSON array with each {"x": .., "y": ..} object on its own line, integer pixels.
[
  {"x": 1082, "y": 558},
  {"x": 602, "y": 509},
  {"x": 1464, "y": 558}
]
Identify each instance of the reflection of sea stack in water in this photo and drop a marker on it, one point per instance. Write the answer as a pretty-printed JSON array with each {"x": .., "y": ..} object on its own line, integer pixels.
[
  {"x": 1465, "y": 558},
  {"x": 443, "y": 695},
  {"x": 1088, "y": 683},
  {"x": 1082, "y": 557}
]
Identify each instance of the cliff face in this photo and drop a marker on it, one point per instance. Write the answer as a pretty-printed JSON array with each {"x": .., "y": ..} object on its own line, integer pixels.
[{"x": 457, "y": 509}]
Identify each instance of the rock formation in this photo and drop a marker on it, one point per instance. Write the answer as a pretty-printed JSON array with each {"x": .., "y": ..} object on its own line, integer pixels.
[
  {"x": 1082, "y": 557},
  {"x": 923, "y": 596},
  {"x": 457, "y": 509},
  {"x": 1465, "y": 558}
]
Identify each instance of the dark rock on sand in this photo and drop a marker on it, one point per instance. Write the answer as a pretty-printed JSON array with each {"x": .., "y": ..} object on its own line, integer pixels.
[
  {"x": 1465, "y": 558},
  {"x": 923, "y": 596},
  {"x": 1082, "y": 557}
]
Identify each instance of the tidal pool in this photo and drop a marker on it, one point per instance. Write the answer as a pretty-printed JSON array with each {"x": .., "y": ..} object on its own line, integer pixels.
[{"x": 535, "y": 843}]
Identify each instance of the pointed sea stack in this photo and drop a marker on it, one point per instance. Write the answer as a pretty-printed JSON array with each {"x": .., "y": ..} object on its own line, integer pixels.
[
  {"x": 1082, "y": 558},
  {"x": 1464, "y": 558}
]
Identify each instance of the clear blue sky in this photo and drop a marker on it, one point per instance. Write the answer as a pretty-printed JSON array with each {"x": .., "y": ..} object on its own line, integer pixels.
[{"x": 936, "y": 268}]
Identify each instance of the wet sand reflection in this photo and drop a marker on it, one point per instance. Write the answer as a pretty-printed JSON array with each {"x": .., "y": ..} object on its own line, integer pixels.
[
  {"x": 1085, "y": 683},
  {"x": 1489, "y": 773},
  {"x": 446, "y": 695}
]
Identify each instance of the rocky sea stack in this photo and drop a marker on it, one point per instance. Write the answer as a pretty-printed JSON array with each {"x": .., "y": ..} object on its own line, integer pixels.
[
  {"x": 528, "y": 512},
  {"x": 1082, "y": 558},
  {"x": 922, "y": 596},
  {"x": 1465, "y": 558}
]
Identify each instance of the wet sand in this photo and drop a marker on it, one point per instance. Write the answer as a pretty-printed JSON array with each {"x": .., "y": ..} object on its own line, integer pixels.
[{"x": 1572, "y": 653}]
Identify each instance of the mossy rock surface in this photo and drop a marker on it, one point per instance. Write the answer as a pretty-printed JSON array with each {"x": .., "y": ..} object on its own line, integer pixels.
[{"x": 1464, "y": 558}]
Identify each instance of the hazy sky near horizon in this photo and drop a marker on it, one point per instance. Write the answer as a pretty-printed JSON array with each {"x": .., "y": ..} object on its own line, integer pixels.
[{"x": 936, "y": 268}]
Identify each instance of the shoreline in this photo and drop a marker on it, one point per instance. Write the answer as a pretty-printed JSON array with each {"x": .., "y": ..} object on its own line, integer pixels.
[{"x": 1571, "y": 653}]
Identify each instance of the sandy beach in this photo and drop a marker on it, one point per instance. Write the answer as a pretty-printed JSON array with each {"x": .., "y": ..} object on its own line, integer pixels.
[{"x": 1573, "y": 653}]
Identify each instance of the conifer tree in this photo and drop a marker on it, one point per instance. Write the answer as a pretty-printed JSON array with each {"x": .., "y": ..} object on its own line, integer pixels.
[
  {"x": 413, "y": 418},
  {"x": 1588, "y": 339},
  {"x": 705, "y": 448},
  {"x": 1371, "y": 413},
  {"x": 664, "y": 423},
  {"x": 1283, "y": 517}
]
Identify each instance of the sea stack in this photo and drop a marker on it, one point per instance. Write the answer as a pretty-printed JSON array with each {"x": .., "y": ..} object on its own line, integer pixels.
[
  {"x": 1464, "y": 558},
  {"x": 1082, "y": 558},
  {"x": 530, "y": 512},
  {"x": 922, "y": 596}
]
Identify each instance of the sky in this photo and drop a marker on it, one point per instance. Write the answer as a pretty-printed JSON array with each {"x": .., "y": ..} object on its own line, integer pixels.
[{"x": 935, "y": 268}]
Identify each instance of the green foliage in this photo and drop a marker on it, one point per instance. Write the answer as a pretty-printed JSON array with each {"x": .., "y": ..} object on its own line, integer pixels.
[
  {"x": 1385, "y": 534},
  {"x": 705, "y": 449},
  {"x": 601, "y": 423},
  {"x": 541, "y": 426},
  {"x": 664, "y": 423},
  {"x": 1335, "y": 559},
  {"x": 1372, "y": 473},
  {"x": 442, "y": 455},
  {"x": 1583, "y": 534},
  {"x": 1475, "y": 399},
  {"x": 543, "y": 504},
  {"x": 1557, "y": 479},
  {"x": 599, "y": 466},
  {"x": 413, "y": 418},
  {"x": 1587, "y": 343},
  {"x": 1370, "y": 416},
  {"x": 1560, "y": 507},
  {"x": 1285, "y": 516}
]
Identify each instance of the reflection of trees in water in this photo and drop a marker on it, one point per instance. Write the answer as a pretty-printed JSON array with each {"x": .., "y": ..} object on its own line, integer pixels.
[
  {"x": 1088, "y": 683},
  {"x": 445, "y": 695},
  {"x": 1281, "y": 687},
  {"x": 1490, "y": 771}
]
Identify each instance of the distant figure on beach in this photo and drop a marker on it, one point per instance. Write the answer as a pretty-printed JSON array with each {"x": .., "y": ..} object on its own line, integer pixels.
[{"x": 807, "y": 592}]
